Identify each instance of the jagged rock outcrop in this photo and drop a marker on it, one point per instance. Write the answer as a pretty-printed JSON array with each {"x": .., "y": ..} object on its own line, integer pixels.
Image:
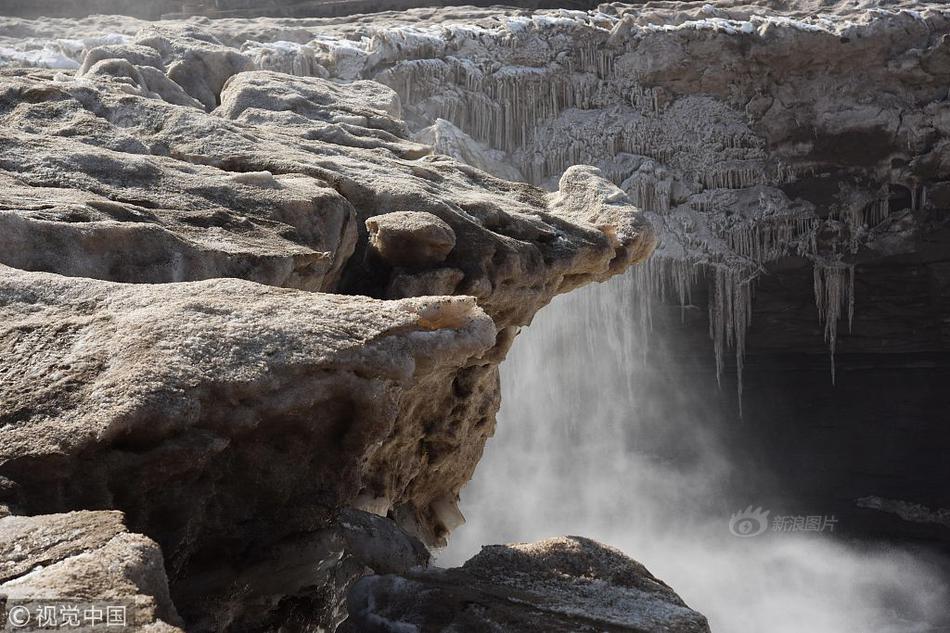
[
  {"x": 222, "y": 416},
  {"x": 740, "y": 128},
  {"x": 82, "y": 560},
  {"x": 569, "y": 585},
  {"x": 276, "y": 151},
  {"x": 170, "y": 350}
]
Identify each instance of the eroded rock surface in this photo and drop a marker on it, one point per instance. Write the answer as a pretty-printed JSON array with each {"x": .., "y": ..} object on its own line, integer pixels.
[
  {"x": 569, "y": 585},
  {"x": 219, "y": 415},
  {"x": 172, "y": 221},
  {"x": 141, "y": 163},
  {"x": 86, "y": 560}
]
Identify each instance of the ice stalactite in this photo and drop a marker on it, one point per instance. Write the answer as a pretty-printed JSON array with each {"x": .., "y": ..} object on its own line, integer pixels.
[
  {"x": 504, "y": 108},
  {"x": 875, "y": 212},
  {"x": 834, "y": 292},
  {"x": 730, "y": 315},
  {"x": 764, "y": 241},
  {"x": 650, "y": 193},
  {"x": 734, "y": 177},
  {"x": 663, "y": 278}
]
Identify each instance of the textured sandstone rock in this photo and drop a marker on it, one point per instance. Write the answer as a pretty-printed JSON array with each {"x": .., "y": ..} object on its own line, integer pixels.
[
  {"x": 244, "y": 423},
  {"x": 407, "y": 238},
  {"x": 84, "y": 558},
  {"x": 216, "y": 410},
  {"x": 254, "y": 415},
  {"x": 181, "y": 206},
  {"x": 567, "y": 584}
]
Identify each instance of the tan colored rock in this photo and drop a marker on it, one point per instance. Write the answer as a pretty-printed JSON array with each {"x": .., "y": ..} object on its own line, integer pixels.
[
  {"x": 84, "y": 559},
  {"x": 221, "y": 409},
  {"x": 407, "y": 238}
]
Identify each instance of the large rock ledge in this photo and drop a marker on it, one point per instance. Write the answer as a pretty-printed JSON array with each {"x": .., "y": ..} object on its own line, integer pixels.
[
  {"x": 224, "y": 417},
  {"x": 245, "y": 310}
]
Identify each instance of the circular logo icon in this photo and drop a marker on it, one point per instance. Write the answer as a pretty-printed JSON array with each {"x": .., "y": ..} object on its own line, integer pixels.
[
  {"x": 749, "y": 522},
  {"x": 18, "y": 616}
]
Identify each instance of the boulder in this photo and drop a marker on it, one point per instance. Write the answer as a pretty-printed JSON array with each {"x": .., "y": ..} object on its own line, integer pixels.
[
  {"x": 412, "y": 239},
  {"x": 563, "y": 585}
]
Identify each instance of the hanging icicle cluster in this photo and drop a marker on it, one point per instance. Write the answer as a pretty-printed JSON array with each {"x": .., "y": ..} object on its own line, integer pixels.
[
  {"x": 730, "y": 315},
  {"x": 834, "y": 290},
  {"x": 765, "y": 241},
  {"x": 663, "y": 278},
  {"x": 692, "y": 163}
]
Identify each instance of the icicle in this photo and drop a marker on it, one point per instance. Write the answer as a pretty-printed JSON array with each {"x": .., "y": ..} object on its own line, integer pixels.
[
  {"x": 850, "y": 298},
  {"x": 730, "y": 315},
  {"x": 831, "y": 295}
]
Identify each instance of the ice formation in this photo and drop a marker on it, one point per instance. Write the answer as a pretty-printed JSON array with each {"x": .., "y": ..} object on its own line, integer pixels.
[{"x": 712, "y": 148}]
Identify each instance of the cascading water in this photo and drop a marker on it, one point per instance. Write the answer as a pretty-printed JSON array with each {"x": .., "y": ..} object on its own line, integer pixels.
[{"x": 597, "y": 438}]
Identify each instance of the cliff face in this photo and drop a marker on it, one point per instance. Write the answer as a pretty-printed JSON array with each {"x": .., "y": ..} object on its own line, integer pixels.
[
  {"x": 247, "y": 311},
  {"x": 247, "y": 305},
  {"x": 793, "y": 157}
]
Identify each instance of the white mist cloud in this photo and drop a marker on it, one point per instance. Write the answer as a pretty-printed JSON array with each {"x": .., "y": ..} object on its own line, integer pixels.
[{"x": 591, "y": 442}]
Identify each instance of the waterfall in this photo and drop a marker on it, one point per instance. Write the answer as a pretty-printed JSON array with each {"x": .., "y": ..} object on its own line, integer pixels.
[{"x": 596, "y": 437}]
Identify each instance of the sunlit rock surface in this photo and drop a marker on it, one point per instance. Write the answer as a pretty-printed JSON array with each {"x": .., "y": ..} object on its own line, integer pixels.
[
  {"x": 224, "y": 303},
  {"x": 89, "y": 557},
  {"x": 144, "y": 162}
]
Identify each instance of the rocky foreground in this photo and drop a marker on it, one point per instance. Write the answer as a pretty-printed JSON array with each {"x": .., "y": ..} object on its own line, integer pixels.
[
  {"x": 251, "y": 335},
  {"x": 252, "y": 320}
]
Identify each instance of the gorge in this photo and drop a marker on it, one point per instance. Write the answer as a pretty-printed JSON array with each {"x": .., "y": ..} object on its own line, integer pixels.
[{"x": 259, "y": 274}]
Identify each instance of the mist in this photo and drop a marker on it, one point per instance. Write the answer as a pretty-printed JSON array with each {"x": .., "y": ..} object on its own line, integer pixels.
[{"x": 599, "y": 437}]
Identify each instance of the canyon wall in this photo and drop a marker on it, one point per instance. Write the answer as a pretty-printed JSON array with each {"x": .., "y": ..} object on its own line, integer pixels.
[
  {"x": 247, "y": 311},
  {"x": 248, "y": 305}
]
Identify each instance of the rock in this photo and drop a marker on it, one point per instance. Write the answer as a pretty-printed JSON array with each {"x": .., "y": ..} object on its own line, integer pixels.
[
  {"x": 196, "y": 60},
  {"x": 408, "y": 238},
  {"x": 136, "y": 55},
  {"x": 239, "y": 411},
  {"x": 570, "y": 584},
  {"x": 240, "y": 415},
  {"x": 171, "y": 199},
  {"x": 438, "y": 281},
  {"x": 84, "y": 559},
  {"x": 361, "y": 103}
]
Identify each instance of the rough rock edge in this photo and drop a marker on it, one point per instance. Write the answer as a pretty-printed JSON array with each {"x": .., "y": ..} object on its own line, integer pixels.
[
  {"x": 84, "y": 559},
  {"x": 565, "y": 585},
  {"x": 123, "y": 394}
]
